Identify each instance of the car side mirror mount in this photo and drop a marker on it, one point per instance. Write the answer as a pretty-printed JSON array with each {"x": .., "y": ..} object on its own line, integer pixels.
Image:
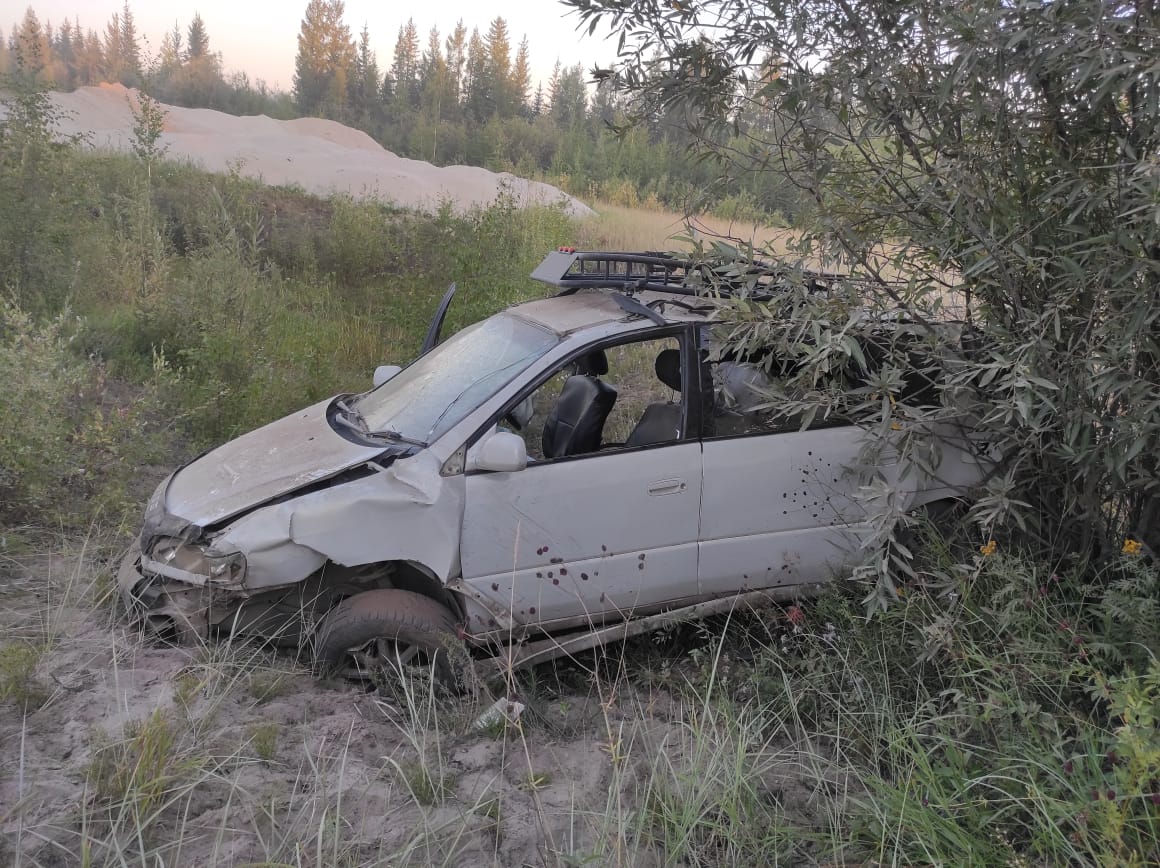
[
  {"x": 384, "y": 373},
  {"x": 503, "y": 451}
]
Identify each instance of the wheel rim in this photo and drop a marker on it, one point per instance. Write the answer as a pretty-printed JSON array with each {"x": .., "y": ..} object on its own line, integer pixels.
[{"x": 376, "y": 657}]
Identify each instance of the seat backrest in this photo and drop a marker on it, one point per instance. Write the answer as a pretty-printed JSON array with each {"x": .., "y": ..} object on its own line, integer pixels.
[
  {"x": 576, "y": 422},
  {"x": 660, "y": 423}
]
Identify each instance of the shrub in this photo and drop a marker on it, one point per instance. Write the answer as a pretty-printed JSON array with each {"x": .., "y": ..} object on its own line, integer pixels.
[{"x": 69, "y": 444}]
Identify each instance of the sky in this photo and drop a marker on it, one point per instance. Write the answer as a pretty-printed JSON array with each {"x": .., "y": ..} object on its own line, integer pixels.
[{"x": 260, "y": 37}]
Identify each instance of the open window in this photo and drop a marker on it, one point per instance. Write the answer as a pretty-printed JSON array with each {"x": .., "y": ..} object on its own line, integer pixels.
[
  {"x": 619, "y": 396},
  {"x": 760, "y": 393},
  {"x": 750, "y": 397}
]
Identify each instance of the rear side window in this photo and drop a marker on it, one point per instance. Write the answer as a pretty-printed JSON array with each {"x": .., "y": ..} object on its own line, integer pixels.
[{"x": 756, "y": 394}]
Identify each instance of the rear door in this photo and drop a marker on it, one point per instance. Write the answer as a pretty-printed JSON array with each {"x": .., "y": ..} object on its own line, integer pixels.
[{"x": 777, "y": 504}]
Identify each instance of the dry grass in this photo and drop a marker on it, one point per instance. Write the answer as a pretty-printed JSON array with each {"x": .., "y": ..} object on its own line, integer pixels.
[{"x": 619, "y": 228}]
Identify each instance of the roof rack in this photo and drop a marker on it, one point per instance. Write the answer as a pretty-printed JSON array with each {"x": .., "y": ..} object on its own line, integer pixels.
[{"x": 571, "y": 270}]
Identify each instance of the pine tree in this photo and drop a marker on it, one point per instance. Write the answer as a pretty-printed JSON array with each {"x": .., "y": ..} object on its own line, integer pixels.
[
  {"x": 197, "y": 43},
  {"x": 554, "y": 85},
  {"x": 65, "y": 49},
  {"x": 130, "y": 49},
  {"x": 499, "y": 54},
  {"x": 90, "y": 57},
  {"x": 169, "y": 56},
  {"x": 477, "y": 97},
  {"x": 405, "y": 66},
  {"x": 569, "y": 96},
  {"x": 30, "y": 50},
  {"x": 434, "y": 78},
  {"x": 366, "y": 100},
  {"x": 456, "y": 59},
  {"x": 114, "y": 56},
  {"x": 201, "y": 75},
  {"x": 325, "y": 60},
  {"x": 521, "y": 77}
]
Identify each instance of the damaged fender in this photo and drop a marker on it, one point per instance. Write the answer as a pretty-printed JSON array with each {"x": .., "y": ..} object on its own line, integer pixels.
[{"x": 369, "y": 520}]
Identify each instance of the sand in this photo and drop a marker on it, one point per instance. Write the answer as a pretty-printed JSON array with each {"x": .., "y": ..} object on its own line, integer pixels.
[
  {"x": 121, "y": 750},
  {"x": 320, "y": 156}
]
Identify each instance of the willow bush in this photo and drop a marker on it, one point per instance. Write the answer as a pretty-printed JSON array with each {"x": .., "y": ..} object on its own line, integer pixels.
[{"x": 1008, "y": 153}]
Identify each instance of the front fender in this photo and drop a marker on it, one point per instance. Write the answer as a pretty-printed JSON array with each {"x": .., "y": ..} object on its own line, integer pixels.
[{"x": 405, "y": 512}]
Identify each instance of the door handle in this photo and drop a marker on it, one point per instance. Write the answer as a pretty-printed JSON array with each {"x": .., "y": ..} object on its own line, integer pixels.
[{"x": 666, "y": 486}]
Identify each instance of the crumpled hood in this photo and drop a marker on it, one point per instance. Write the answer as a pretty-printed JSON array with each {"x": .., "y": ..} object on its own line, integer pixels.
[{"x": 273, "y": 460}]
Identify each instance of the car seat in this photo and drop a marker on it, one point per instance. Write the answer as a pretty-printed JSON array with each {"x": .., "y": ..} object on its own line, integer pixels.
[
  {"x": 576, "y": 422},
  {"x": 661, "y": 422}
]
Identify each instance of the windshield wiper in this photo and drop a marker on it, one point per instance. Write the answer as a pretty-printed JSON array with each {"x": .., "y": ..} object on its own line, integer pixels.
[
  {"x": 354, "y": 420},
  {"x": 484, "y": 379},
  {"x": 395, "y": 437}
]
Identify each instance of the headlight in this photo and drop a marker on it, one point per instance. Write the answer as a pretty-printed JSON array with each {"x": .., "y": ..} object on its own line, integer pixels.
[
  {"x": 186, "y": 562},
  {"x": 154, "y": 513}
]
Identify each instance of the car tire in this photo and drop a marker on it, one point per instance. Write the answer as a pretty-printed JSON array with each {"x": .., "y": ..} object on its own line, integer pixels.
[{"x": 390, "y": 632}]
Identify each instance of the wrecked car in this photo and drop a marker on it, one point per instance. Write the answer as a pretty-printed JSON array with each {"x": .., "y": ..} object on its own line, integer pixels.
[{"x": 573, "y": 470}]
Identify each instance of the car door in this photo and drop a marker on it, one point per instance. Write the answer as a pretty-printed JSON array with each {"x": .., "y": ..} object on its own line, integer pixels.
[
  {"x": 778, "y": 504},
  {"x": 600, "y": 534}
]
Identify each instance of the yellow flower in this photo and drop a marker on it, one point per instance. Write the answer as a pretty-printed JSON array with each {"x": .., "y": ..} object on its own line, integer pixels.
[
  {"x": 989, "y": 548},
  {"x": 1132, "y": 546}
]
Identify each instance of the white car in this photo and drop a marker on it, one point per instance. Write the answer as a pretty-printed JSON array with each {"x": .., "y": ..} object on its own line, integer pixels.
[{"x": 567, "y": 472}]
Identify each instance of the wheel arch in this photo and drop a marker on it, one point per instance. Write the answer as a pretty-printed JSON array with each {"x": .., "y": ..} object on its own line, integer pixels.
[
  {"x": 338, "y": 582},
  {"x": 421, "y": 579}
]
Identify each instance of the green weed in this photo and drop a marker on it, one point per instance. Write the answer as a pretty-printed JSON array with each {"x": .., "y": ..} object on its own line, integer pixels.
[
  {"x": 19, "y": 662},
  {"x": 427, "y": 785},
  {"x": 263, "y": 738},
  {"x": 144, "y": 768}
]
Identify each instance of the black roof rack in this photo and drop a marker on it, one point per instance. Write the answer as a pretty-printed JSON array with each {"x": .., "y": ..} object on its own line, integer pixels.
[{"x": 571, "y": 270}]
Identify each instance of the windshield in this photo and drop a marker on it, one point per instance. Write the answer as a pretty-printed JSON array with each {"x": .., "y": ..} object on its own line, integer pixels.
[{"x": 438, "y": 389}]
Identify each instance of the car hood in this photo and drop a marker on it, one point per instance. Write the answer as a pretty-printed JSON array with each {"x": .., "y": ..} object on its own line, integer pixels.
[{"x": 269, "y": 462}]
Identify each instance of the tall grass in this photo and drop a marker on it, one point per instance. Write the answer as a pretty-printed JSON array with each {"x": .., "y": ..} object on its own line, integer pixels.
[{"x": 1001, "y": 715}]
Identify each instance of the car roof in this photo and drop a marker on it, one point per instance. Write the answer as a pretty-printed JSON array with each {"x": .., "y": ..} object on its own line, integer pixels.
[
  {"x": 588, "y": 308},
  {"x": 599, "y": 287}
]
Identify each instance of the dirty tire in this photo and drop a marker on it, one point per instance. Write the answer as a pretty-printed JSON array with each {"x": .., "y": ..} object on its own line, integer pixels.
[{"x": 377, "y": 633}]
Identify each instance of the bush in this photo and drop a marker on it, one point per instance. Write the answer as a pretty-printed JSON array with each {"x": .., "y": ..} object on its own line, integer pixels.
[{"x": 68, "y": 445}]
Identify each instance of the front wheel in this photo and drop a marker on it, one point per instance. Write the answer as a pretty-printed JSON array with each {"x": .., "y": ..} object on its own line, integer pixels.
[{"x": 388, "y": 632}]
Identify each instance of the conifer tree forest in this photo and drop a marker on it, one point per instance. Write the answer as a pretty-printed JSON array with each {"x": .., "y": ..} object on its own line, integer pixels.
[{"x": 462, "y": 93}]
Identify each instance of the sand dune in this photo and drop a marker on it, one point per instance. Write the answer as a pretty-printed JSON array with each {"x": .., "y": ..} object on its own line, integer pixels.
[{"x": 320, "y": 156}]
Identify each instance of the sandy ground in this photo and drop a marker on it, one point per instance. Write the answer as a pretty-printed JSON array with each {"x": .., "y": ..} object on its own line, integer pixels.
[
  {"x": 320, "y": 156},
  {"x": 118, "y": 750}
]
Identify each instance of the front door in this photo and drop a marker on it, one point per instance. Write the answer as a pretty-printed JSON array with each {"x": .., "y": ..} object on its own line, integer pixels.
[{"x": 609, "y": 528}]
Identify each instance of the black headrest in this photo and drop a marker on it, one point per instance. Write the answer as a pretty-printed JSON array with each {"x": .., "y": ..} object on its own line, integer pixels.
[
  {"x": 595, "y": 364},
  {"x": 668, "y": 368}
]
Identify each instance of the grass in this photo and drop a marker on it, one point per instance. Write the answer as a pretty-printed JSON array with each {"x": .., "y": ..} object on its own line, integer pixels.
[
  {"x": 617, "y": 227},
  {"x": 752, "y": 739}
]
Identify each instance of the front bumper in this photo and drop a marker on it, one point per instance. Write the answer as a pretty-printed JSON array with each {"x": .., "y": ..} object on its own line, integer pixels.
[{"x": 162, "y": 605}]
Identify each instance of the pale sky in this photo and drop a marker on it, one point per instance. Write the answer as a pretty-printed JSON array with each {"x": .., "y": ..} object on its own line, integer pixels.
[{"x": 260, "y": 36}]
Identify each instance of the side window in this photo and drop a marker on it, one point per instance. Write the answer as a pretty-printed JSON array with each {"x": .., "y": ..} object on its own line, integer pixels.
[
  {"x": 618, "y": 397},
  {"x": 750, "y": 398},
  {"x": 745, "y": 398}
]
